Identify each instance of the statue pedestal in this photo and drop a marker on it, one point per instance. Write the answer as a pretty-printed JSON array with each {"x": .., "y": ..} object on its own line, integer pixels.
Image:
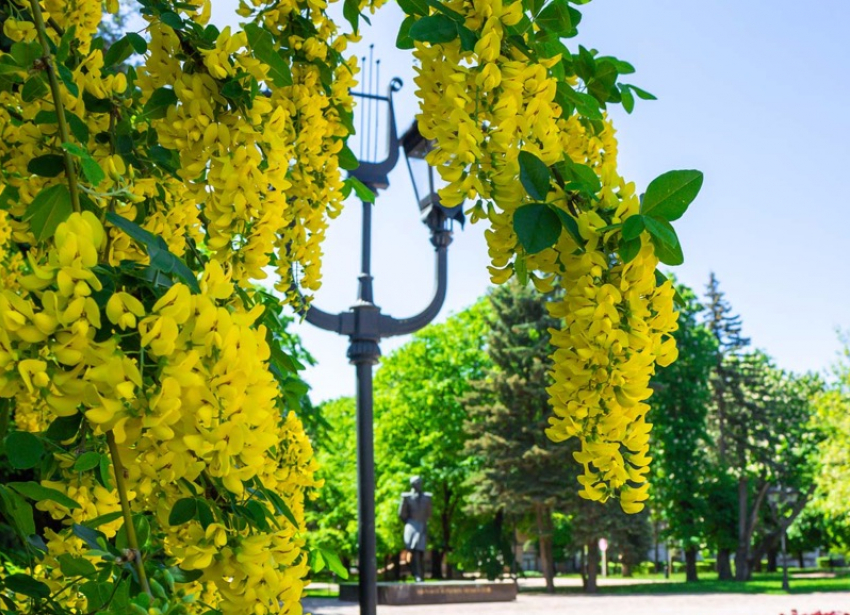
[{"x": 438, "y": 592}]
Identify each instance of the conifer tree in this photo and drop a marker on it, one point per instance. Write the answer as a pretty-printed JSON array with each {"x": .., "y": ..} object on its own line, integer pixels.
[
  {"x": 522, "y": 472},
  {"x": 726, "y": 328}
]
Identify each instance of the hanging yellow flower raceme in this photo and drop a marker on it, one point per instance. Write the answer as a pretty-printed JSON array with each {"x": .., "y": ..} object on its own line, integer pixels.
[{"x": 520, "y": 130}]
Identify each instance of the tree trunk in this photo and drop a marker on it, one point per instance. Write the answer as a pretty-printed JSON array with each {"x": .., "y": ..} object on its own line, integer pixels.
[
  {"x": 544, "y": 537},
  {"x": 446, "y": 522},
  {"x": 626, "y": 569},
  {"x": 436, "y": 564},
  {"x": 592, "y": 567},
  {"x": 691, "y": 565},
  {"x": 800, "y": 559},
  {"x": 772, "y": 553},
  {"x": 742, "y": 553},
  {"x": 724, "y": 567}
]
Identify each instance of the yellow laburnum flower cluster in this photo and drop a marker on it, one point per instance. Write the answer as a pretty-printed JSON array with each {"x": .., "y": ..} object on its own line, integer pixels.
[
  {"x": 483, "y": 105},
  {"x": 194, "y": 410},
  {"x": 205, "y": 155}
]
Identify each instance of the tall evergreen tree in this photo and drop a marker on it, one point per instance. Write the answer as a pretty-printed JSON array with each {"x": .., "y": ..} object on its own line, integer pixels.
[
  {"x": 725, "y": 381},
  {"x": 522, "y": 472}
]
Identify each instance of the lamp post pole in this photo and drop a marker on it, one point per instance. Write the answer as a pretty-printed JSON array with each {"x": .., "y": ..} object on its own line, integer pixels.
[
  {"x": 365, "y": 326},
  {"x": 777, "y": 498}
]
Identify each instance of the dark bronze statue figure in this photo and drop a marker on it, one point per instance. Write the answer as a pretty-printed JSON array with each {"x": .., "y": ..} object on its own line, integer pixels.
[{"x": 414, "y": 510}]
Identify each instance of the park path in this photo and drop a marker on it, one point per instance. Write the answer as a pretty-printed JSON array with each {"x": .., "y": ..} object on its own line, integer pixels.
[{"x": 541, "y": 604}]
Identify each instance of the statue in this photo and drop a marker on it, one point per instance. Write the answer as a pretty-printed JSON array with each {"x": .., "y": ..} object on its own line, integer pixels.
[{"x": 414, "y": 510}]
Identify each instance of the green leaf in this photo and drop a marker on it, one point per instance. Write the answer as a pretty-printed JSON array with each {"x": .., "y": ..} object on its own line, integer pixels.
[
  {"x": 347, "y": 159},
  {"x": 33, "y": 89},
  {"x": 569, "y": 223},
  {"x": 521, "y": 269},
  {"x": 93, "y": 538},
  {"x": 579, "y": 177},
  {"x": 662, "y": 230},
  {"x": 262, "y": 45},
  {"x": 25, "y": 54},
  {"x": 37, "y": 493},
  {"x": 440, "y": 7},
  {"x": 642, "y": 94},
  {"x": 143, "y": 533},
  {"x": 48, "y": 210},
  {"x": 468, "y": 38},
  {"x": 628, "y": 99},
  {"x": 205, "y": 514},
  {"x": 64, "y": 428},
  {"x": 67, "y": 78},
  {"x": 64, "y": 47},
  {"x": 534, "y": 175},
  {"x": 414, "y": 7},
  {"x": 351, "y": 12},
  {"x": 8, "y": 196},
  {"x": 185, "y": 576},
  {"x": 26, "y": 585},
  {"x": 533, "y": 6},
  {"x": 317, "y": 561},
  {"x": 537, "y": 227},
  {"x": 87, "y": 461},
  {"x": 280, "y": 506},
  {"x": 172, "y": 20},
  {"x": 360, "y": 189},
  {"x": 48, "y": 165},
  {"x": 103, "y": 472},
  {"x": 669, "y": 195},
  {"x": 585, "y": 104},
  {"x": 103, "y": 519},
  {"x": 23, "y": 449},
  {"x": 91, "y": 169},
  {"x": 17, "y": 511},
  {"x": 668, "y": 250},
  {"x": 118, "y": 52},
  {"x": 403, "y": 40},
  {"x": 434, "y": 29},
  {"x": 160, "y": 257},
  {"x": 97, "y": 595},
  {"x": 629, "y": 249},
  {"x": 633, "y": 227},
  {"x": 558, "y": 17},
  {"x": 183, "y": 511},
  {"x": 75, "y": 566},
  {"x": 334, "y": 563},
  {"x": 139, "y": 44},
  {"x": 158, "y": 103},
  {"x": 78, "y": 127}
]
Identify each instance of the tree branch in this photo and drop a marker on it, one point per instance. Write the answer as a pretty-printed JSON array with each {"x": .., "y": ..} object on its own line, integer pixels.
[{"x": 70, "y": 169}]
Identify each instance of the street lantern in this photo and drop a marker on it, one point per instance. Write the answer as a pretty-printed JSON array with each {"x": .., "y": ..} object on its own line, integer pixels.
[
  {"x": 364, "y": 323},
  {"x": 427, "y": 182}
]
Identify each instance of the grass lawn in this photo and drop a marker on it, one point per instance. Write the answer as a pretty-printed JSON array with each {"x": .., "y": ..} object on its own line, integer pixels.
[{"x": 762, "y": 583}]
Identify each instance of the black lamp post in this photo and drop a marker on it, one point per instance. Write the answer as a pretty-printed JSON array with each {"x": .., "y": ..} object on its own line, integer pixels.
[
  {"x": 778, "y": 497},
  {"x": 365, "y": 325}
]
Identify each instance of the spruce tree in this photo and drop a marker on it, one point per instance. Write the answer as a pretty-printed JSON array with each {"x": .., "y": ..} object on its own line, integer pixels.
[
  {"x": 726, "y": 388},
  {"x": 522, "y": 472}
]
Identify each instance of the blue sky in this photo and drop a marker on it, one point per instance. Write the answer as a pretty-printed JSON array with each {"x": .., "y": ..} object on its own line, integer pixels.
[{"x": 755, "y": 94}]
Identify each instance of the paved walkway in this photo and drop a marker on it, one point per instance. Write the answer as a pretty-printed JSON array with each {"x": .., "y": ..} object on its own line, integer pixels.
[{"x": 537, "y": 604}]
